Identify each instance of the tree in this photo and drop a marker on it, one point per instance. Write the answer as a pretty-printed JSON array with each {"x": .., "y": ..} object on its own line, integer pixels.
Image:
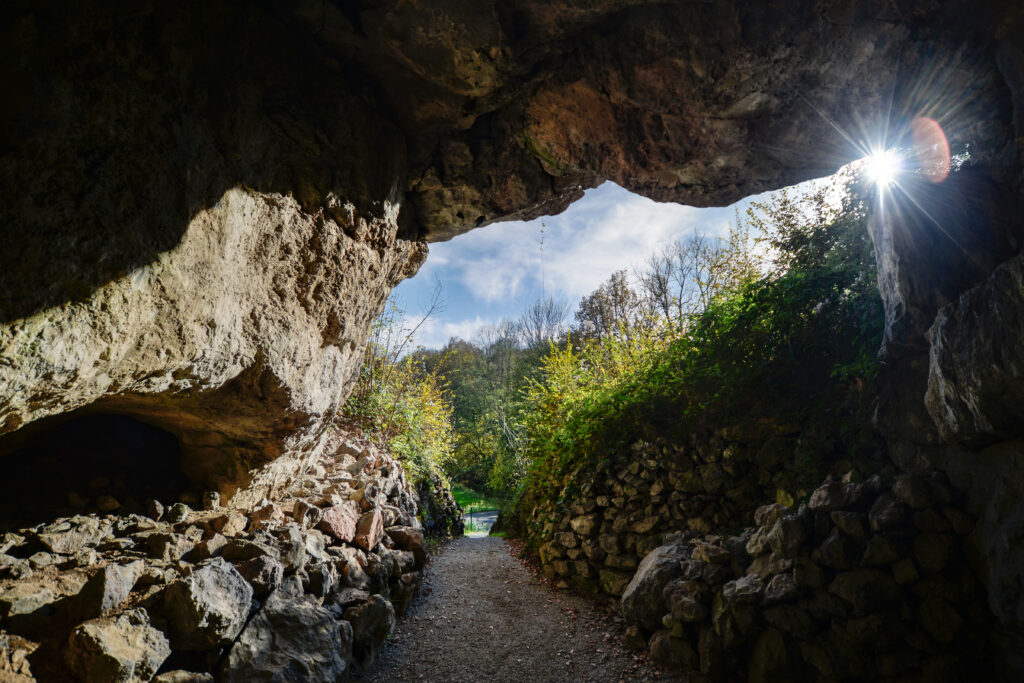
[
  {"x": 612, "y": 309},
  {"x": 543, "y": 322}
]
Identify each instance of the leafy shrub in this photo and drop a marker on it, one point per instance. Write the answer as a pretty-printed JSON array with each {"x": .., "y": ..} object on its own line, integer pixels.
[
  {"x": 401, "y": 406},
  {"x": 794, "y": 338}
]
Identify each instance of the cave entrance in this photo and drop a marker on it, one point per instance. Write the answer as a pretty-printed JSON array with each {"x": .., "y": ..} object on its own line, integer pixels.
[{"x": 94, "y": 463}]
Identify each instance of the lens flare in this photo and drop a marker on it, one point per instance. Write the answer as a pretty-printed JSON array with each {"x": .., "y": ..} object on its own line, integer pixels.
[
  {"x": 882, "y": 167},
  {"x": 931, "y": 149}
]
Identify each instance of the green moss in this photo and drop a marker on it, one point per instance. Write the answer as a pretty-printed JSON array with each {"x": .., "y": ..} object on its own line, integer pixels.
[{"x": 535, "y": 150}]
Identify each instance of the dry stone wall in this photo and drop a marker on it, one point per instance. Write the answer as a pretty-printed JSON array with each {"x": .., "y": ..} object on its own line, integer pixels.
[
  {"x": 870, "y": 580},
  {"x": 594, "y": 533},
  {"x": 303, "y": 586}
]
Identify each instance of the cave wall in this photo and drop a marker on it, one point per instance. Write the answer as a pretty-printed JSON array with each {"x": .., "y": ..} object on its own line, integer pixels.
[{"x": 205, "y": 206}]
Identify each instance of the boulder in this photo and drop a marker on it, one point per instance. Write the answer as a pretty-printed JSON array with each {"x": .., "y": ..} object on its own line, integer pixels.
[
  {"x": 208, "y": 608},
  {"x": 613, "y": 582},
  {"x": 266, "y": 516},
  {"x": 410, "y": 539},
  {"x": 404, "y": 590},
  {"x": 372, "y": 622},
  {"x": 673, "y": 653},
  {"x": 230, "y": 524},
  {"x": 305, "y": 515},
  {"x": 642, "y": 598},
  {"x": 866, "y": 590},
  {"x": 289, "y": 640},
  {"x": 585, "y": 525},
  {"x": 291, "y": 547},
  {"x": 263, "y": 573},
  {"x": 115, "y": 650},
  {"x": 26, "y": 606},
  {"x": 836, "y": 495},
  {"x": 107, "y": 589},
  {"x": 787, "y": 536},
  {"x": 72, "y": 535},
  {"x": 369, "y": 529},
  {"x": 340, "y": 521},
  {"x": 178, "y": 512},
  {"x": 837, "y": 551}
]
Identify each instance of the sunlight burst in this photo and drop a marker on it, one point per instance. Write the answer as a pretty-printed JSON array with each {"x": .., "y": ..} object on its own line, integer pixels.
[{"x": 882, "y": 167}]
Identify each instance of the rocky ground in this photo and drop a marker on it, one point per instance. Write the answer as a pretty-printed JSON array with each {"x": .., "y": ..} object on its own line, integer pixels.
[
  {"x": 304, "y": 587},
  {"x": 484, "y": 616}
]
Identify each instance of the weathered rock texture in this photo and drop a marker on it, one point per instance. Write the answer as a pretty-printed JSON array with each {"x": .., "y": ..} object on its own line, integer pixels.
[
  {"x": 263, "y": 595},
  {"x": 206, "y": 205},
  {"x": 868, "y": 581}
]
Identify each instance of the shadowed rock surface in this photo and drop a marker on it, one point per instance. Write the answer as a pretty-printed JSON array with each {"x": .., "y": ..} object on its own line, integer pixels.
[{"x": 205, "y": 207}]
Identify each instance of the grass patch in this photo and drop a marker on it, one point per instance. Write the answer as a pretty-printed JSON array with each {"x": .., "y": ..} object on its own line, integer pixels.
[{"x": 468, "y": 498}]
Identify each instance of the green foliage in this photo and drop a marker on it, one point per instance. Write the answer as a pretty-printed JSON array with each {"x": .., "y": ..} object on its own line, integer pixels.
[
  {"x": 467, "y": 498},
  {"x": 401, "y": 406},
  {"x": 790, "y": 332}
]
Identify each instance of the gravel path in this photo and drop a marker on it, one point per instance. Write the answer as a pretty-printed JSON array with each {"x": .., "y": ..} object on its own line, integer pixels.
[{"x": 483, "y": 616}]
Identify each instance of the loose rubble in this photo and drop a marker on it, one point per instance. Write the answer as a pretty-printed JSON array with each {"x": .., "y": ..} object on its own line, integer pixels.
[{"x": 303, "y": 587}]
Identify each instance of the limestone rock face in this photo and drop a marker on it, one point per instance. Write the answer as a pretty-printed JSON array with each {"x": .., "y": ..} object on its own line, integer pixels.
[
  {"x": 976, "y": 361},
  {"x": 203, "y": 216},
  {"x": 238, "y": 348}
]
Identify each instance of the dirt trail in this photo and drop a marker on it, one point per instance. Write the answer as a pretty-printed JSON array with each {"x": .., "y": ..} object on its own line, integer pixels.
[{"x": 485, "y": 617}]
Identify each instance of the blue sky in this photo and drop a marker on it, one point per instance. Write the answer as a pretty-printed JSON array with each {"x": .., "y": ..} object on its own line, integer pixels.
[{"x": 495, "y": 272}]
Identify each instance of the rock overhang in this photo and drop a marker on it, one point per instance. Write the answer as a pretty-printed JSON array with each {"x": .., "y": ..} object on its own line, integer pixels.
[{"x": 222, "y": 197}]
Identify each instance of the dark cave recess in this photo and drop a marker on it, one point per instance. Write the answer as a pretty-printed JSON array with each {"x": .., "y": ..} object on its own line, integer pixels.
[{"x": 94, "y": 463}]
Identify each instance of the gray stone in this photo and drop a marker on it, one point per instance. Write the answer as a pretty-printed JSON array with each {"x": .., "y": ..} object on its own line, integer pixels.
[
  {"x": 866, "y": 590},
  {"x": 168, "y": 546},
  {"x": 71, "y": 536},
  {"x": 263, "y": 573},
  {"x": 181, "y": 676},
  {"x": 208, "y": 608},
  {"x": 933, "y": 551},
  {"x": 781, "y": 588},
  {"x": 835, "y": 495},
  {"x": 886, "y": 513},
  {"x": 410, "y": 539},
  {"x": 372, "y": 622},
  {"x": 291, "y": 547},
  {"x": 178, "y": 512},
  {"x": 154, "y": 509},
  {"x": 787, "y": 536},
  {"x": 613, "y": 582},
  {"x": 642, "y": 598},
  {"x": 838, "y": 551},
  {"x": 117, "y": 650},
  {"x": 940, "y": 619},
  {"x": 746, "y": 589},
  {"x": 403, "y": 591},
  {"x": 585, "y": 525},
  {"x": 675, "y": 654},
  {"x": 320, "y": 581},
  {"x": 107, "y": 589},
  {"x": 853, "y": 524},
  {"x": 289, "y": 640}
]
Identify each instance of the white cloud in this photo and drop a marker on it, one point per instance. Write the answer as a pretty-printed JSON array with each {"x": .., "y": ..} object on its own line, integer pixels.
[{"x": 435, "y": 333}]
